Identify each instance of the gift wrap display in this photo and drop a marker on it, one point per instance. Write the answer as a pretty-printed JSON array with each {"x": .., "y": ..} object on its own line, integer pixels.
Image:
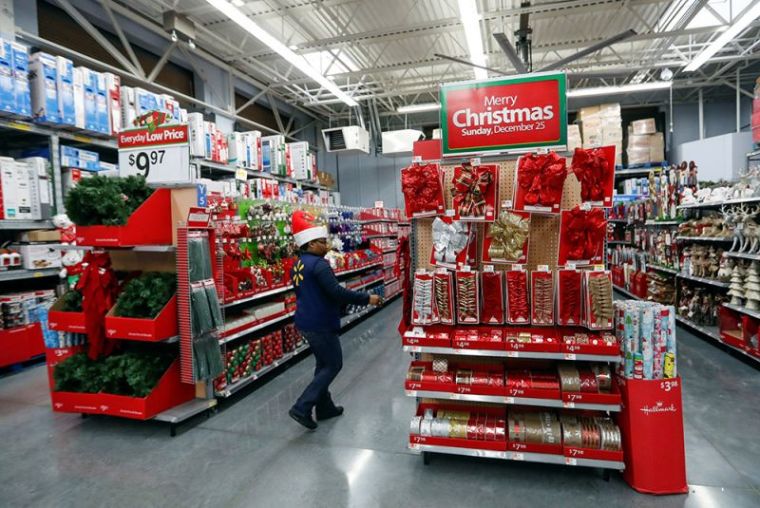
[{"x": 500, "y": 322}]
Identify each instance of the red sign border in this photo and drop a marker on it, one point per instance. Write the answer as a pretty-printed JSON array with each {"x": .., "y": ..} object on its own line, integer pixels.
[{"x": 561, "y": 77}]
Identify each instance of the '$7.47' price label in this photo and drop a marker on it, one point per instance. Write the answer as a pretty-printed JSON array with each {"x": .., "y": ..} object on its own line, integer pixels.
[{"x": 143, "y": 161}]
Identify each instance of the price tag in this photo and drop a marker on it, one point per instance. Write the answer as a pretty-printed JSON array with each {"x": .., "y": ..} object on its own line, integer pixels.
[
  {"x": 475, "y": 161},
  {"x": 417, "y": 331},
  {"x": 510, "y": 400},
  {"x": 379, "y": 204},
  {"x": 542, "y": 268},
  {"x": 518, "y": 456},
  {"x": 518, "y": 268},
  {"x": 454, "y": 396},
  {"x": 411, "y": 393},
  {"x": 571, "y": 461},
  {"x": 488, "y": 268},
  {"x": 568, "y": 405},
  {"x": 466, "y": 268},
  {"x": 569, "y": 356},
  {"x": 161, "y": 156},
  {"x": 598, "y": 268},
  {"x": 507, "y": 203},
  {"x": 241, "y": 174},
  {"x": 450, "y": 213},
  {"x": 512, "y": 354}
]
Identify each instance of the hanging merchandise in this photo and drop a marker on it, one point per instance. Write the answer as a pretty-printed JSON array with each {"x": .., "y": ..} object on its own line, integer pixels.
[
  {"x": 492, "y": 287},
  {"x": 467, "y": 297},
  {"x": 581, "y": 237},
  {"x": 595, "y": 169},
  {"x": 506, "y": 240},
  {"x": 542, "y": 294},
  {"x": 423, "y": 192},
  {"x": 474, "y": 192},
  {"x": 99, "y": 286},
  {"x": 569, "y": 297},
  {"x": 540, "y": 179},
  {"x": 423, "y": 310},
  {"x": 597, "y": 288},
  {"x": 444, "y": 296},
  {"x": 518, "y": 308},
  {"x": 453, "y": 244}
]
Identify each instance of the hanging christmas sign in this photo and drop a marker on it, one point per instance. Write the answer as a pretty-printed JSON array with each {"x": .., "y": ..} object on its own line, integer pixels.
[{"x": 505, "y": 114}]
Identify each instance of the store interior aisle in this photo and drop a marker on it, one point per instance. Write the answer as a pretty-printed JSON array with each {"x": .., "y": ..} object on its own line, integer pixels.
[{"x": 252, "y": 454}]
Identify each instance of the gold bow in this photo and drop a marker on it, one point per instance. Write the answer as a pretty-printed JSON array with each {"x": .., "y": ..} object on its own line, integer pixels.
[{"x": 508, "y": 234}]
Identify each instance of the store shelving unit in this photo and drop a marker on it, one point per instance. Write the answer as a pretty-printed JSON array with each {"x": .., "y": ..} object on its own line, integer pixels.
[
  {"x": 489, "y": 353},
  {"x": 206, "y": 166},
  {"x": 22, "y": 274},
  {"x": 704, "y": 239},
  {"x": 702, "y": 280},
  {"x": 665, "y": 269}
]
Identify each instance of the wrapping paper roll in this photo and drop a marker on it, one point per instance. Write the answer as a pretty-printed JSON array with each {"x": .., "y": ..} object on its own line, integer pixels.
[{"x": 440, "y": 365}]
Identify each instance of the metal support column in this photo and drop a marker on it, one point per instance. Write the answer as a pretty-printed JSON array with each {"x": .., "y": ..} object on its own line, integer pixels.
[
  {"x": 738, "y": 101},
  {"x": 701, "y": 116},
  {"x": 55, "y": 162}
]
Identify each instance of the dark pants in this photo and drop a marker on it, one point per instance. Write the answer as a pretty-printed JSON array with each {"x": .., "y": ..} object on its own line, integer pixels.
[{"x": 329, "y": 356}]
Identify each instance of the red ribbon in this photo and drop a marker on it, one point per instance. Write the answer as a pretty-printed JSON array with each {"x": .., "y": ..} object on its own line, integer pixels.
[
  {"x": 592, "y": 169},
  {"x": 583, "y": 232},
  {"x": 421, "y": 186},
  {"x": 99, "y": 286},
  {"x": 542, "y": 177}
]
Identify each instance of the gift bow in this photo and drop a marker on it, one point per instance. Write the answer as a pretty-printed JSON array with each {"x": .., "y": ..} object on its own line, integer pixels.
[
  {"x": 584, "y": 233},
  {"x": 449, "y": 240},
  {"x": 592, "y": 169},
  {"x": 470, "y": 187},
  {"x": 508, "y": 234},
  {"x": 542, "y": 178}
]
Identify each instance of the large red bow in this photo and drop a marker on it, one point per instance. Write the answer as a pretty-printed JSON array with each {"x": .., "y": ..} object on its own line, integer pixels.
[
  {"x": 584, "y": 233},
  {"x": 592, "y": 169},
  {"x": 99, "y": 286},
  {"x": 470, "y": 188},
  {"x": 421, "y": 185},
  {"x": 542, "y": 178}
]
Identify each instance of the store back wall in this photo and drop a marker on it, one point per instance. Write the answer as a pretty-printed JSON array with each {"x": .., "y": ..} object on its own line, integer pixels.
[{"x": 364, "y": 179}]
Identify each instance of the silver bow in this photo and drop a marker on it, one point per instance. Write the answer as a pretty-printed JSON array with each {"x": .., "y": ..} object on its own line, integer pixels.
[{"x": 449, "y": 240}]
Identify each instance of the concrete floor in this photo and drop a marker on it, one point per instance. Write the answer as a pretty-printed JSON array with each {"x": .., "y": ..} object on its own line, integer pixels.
[{"x": 252, "y": 454}]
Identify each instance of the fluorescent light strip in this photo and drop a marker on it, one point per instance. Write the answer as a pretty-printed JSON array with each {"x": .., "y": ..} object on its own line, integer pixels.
[
  {"x": 613, "y": 90},
  {"x": 238, "y": 17},
  {"x": 674, "y": 14},
  {"x": 749, "y": 15},
  {"x": 468, "y": 13},
  {"x": 419, "y": 108}
]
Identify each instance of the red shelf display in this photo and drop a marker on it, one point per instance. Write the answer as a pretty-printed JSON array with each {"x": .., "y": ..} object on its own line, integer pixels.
[
  {"x": 20, "y": 344},
  {"x": 164, "y": 326},
  {"x": 150, "y": 224},
  {"x": 169, "y": 392}
]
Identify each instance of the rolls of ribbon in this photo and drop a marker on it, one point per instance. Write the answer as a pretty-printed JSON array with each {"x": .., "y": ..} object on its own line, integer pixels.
[
  {"x": 458, "y": 429},
  {"x": 414, "y": 427},
  {"x": 534, "y": 428},
  {"x": 426, "y": 427},
  {"x": 454, "y": 415},
  {"x": 440, "y": 365},
  {"x": 463, "y": 377},
  {"x": 569, "y": 377},
  {"x": 588, "y": 381},
  {"x": 572, "y": 434},
  {"x": 603, "y": 377},
  {"x": 429, "y": 414},
  {"x": 415, "y": 373}
]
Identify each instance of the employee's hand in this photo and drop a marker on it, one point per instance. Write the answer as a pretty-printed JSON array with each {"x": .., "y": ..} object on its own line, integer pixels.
[{"x": 374, "y": 299}]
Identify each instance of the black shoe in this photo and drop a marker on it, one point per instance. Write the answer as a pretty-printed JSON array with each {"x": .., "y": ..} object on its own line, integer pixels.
[
  {"x": 332, "y": 413},
  {"x": 306, "y": 421}
]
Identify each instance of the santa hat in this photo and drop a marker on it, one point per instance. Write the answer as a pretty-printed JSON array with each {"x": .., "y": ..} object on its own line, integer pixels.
[{"x": 304, "y": 228}]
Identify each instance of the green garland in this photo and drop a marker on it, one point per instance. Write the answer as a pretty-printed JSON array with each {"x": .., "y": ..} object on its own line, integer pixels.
[
  {"x": 71, "y": 301},
  {"x": 106, "y": 201},
  {"x": 145, "y": 296},
  {"x": 134, "y": 374}
]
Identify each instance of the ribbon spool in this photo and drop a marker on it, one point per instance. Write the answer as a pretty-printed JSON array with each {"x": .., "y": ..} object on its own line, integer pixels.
[{"x": 569, "y": 377}]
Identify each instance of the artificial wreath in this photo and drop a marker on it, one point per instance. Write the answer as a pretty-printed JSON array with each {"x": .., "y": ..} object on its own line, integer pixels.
[
  {"x": 145, "y": 295},
  {"x": 106, "y": 201}
]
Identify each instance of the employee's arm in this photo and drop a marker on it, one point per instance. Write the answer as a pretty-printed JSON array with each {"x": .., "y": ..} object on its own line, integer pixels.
[{"x": 329, "y": 285}]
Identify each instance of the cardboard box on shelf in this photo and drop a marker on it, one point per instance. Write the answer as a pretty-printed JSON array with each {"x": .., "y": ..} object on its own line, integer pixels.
[
  {"x": 644, "y": 126},
  {"x": 195, "y": 126},
  {"x": 40, "y": 235},
  {"x": 113, "y": 98},
  {"x": 65, "y": 86},
  {"x": 78, "y": 93},
  {"x": 90, "y": 87},
  {"x": 39, "y": 256},
  {"x": 20, "y": 71},
  {"x": 657, "y": 147},
  {"x": 43, "y": 71},
  {"x": 7, "y": 85},
  {"x": 638, "y": 155},
  {"x": 41, "y": 187},
  {"x": 574, "y": 139},
  {"x": 79, "y": 158},
  {"x": 128, "y": 107}
]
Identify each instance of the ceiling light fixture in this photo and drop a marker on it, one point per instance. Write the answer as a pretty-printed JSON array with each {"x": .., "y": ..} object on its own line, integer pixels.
[
  {"x": 674, "y": 14},
  {"x": 278, "y": 47},
  {"x": 419, "y": 108},
  {"x": 613, "y": 90},
  {"x": 468, "y": 14},
  {"x": 742, "y": 22},
  {"x": 238, "y": 3}
]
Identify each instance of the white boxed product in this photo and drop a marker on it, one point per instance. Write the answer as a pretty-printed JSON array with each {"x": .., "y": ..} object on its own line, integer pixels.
[
  {"x": 65, "y": 85},
  {"x": 113, "y": 98},
  {"x": 610, "y": 110},
  {"x": 209, "y": 143},
  {"x": 39, "y": 256},
  {"x": 253, "y": 149},
  {"x": 22, "y": 190},
  {"x": 90, "y": 86},
  {"x": 298, "y": 159},
  {"x": 195, "y": 125},
  {"x": 42, "y": 82},
  {"x": 78, "y": 90},
  {"x": 20, "y": 71},
  {"x": 7, "y": 85},
  {"x": 171, "y": 108},
  {"x": 146, "y": 102},
  {"x": 237, "y": 152},
  {"x": 128, "y": 109},
  {"x": 8, "y": 188},
  {"x": 101, "y": 104},
  {"x": 273, "y": 154},
  {"x": 42, "y": 187}
]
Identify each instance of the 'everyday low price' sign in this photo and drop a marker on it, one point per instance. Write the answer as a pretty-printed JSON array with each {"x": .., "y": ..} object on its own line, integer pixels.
[
  {"x": 505, "y": 114},
  {"x": 161, "y": 155}
]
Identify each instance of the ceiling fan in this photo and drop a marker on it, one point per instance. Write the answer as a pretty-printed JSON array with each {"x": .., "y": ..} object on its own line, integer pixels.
[{"x": 521, "y": 57}]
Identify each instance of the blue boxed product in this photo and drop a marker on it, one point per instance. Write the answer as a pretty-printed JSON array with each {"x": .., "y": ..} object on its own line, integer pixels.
[
  {"x": 101, "y": 102},
  {"x": 42, "y": 81},
  {"x": 78, "y": 158},
  {"x": 7, "y": 92},
  {"x": 21, "y": 79},
  {"x": 65, "y": 85},
  {"x": 90, "y": 85}
]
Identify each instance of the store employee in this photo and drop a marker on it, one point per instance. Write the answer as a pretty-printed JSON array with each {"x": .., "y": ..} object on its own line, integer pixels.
[{"x": 319, "y": 299}]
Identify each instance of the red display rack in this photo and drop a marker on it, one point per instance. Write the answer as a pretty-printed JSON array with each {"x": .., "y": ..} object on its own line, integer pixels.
[
  {"x": 20, "y": 344},
  {"x": 61, "y": 321},
  {"x": 169, "y": 392},
  {"x": 150, "y": 224},
  {"x": 160, "y": 328},
  {"x": 54, "y": 356}
]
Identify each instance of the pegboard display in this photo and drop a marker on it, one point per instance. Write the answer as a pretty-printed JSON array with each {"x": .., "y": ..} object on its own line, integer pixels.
[{"x": 543, "y": 247}]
